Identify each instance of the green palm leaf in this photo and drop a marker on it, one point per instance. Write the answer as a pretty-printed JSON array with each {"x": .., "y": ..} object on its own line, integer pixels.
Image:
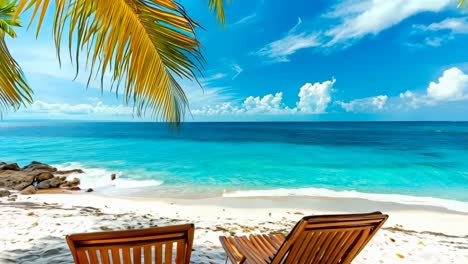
[
  {"x": 14, "y": 91},
  {"x": 145, "y": 44}
]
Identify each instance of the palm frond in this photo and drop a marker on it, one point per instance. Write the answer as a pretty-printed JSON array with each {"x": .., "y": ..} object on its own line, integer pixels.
[
  {"x": 462, "y": 3},
  {"x": 14, "y": 91},
  {"x": 145, "y": 44},
  {"x": 218, "y": 7},
  {"x": 7, "y": 10}
]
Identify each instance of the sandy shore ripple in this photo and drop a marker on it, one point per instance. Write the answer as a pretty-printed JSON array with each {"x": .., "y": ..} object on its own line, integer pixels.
[{"x": 33, "y": 228}]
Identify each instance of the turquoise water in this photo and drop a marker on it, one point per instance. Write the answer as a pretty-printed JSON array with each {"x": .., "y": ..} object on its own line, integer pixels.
[{"x": 386, "y": 159}]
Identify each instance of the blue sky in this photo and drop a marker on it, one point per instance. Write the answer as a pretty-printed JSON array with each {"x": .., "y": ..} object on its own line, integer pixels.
[{"x": 297, "y": 60}]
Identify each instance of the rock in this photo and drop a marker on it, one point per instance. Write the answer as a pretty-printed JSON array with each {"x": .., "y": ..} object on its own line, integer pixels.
[
  {"x": 2, "y": 163},
  {"x": 22, "y": 185},
  {"x": 10, "y": 179},
  {"x": 20, "y": 179},
  {"x": 50, "y": 183},
  {"x": 89, "y": 190},
  {"x": 35, "y": 165},
  {"x": 113, "y": 176},
  {"x": 11, "y": 166},
  {"x": 28, "y": 190},
  {"x": 44, "y": 176},
  {"x": 74, "y": 188},
  {"x": 4, "y": 193},
  {"x": 71, "y": 183},
  {"x": 69, "y": 171},
  {"x": 75, "y": 181}
]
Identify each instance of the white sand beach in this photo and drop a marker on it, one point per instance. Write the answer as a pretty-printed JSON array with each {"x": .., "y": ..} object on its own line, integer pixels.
[{"x": 33, "y": 227}]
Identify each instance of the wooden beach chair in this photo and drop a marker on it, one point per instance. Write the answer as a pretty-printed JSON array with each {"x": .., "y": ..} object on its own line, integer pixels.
[
  {"x": 152, "y": 245},
  {"x": 324, "y": 239}
]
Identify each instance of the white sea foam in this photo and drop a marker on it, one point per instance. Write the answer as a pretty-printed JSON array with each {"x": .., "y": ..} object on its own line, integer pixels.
[
  {"x": 321, "y": 192},
  {"x": 100, "y": 178}
]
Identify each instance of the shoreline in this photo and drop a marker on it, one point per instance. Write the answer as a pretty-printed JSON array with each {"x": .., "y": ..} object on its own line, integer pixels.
[
  {"x": 419, "y": 218},
  {"x": 37, "y": 225}
]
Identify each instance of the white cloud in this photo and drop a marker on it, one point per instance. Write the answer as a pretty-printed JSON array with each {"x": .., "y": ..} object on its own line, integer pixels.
[
  {"x": 351, "y": 20},
  {"x": 452, "y": 86},
  {"x": 237, "y": 69},
  {"x": 412, "y": 100},
  {"x": 214, "y": 77},
  {"x": 245, "y": 20},
  {"x": 362, "y": 17},
  {"x": 442, "y": 31},
  {"x": 61, "y": 109},
  {"x": 313, "y": 99},
  {"x": 280, "y": 50},
  {"x": 455, "y": 25},
  {"x": 370, "y": 104},
  {"x": 434, "y": 41}
]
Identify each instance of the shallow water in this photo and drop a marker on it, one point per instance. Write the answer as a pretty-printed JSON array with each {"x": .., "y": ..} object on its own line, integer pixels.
[{"x": 410, "y": 159}]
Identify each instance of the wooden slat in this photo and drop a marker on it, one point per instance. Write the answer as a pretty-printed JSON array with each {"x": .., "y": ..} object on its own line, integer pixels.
[
  {"x": 127, "y": 240},
  {"x": 158, "y": 256},
  {"x": 168, "y": 252},
  {"x": 82, "y": 257},
  {"x": 361, "y": 240},
  {"x": 246, "y": 250},
  {"x": 147, "y": 250},
  {"x": 137, "y": 255},
  {"x": 333, "y": 247},
  {"x": 363, "y": 223},
  {"x": 93, "y": 258},
  {"x": 278, "y": 240},
  {"x": 345, "y": 246},
  {"x": 314, "y": 249},
  {"x": 258, "y": 245},
  {"x": 180, "y": 256},
  {"x": 231, "y": 250},
  {"x": 297, "y": 251},
  {"x": 126, "y": 256},
  {"x": 115, "y": 255},
  {"x": 322, "y": 252},
  {"x": 104, "y": 252}
]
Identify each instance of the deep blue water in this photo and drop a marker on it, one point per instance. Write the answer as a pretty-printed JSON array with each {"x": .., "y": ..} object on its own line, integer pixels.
[{"x": 427, "y": 159}]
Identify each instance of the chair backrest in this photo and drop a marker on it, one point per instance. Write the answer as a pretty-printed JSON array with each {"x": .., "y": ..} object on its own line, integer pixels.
[
  {"x": 329, "y": 239},
  {"x": 171, "y": 244}
]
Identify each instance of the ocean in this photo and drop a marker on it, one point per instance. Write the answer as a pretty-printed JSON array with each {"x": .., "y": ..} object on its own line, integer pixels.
[{"x": 422, "y": 163}]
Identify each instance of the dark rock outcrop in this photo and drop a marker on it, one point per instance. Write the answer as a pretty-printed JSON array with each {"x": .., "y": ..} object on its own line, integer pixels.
[
  {"x": 69, "y": 171},
  {"x": 44, "y": 176},
  {"x": 10, "y": 179},
  {"x": 50, "y": 183},
  {"x": 35, "y": 176},
  {"x": 11, "y": 166},
  {"x": 113, "y": 176},
  {"x": 35, "y": 165}
]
